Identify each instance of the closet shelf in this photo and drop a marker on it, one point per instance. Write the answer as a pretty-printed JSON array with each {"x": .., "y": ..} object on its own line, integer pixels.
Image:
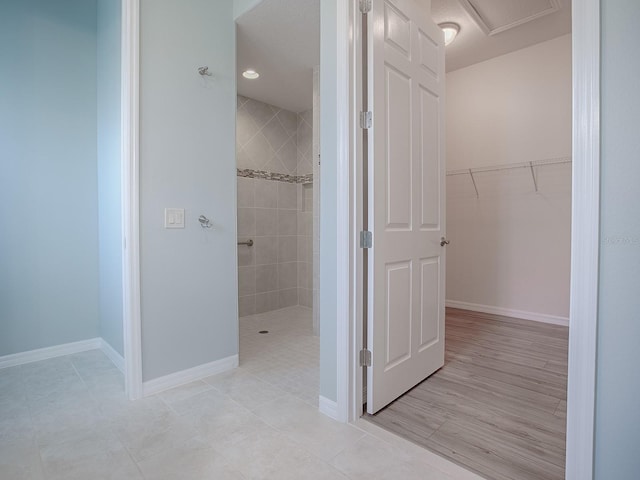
[{"x": 512, "y": 166}]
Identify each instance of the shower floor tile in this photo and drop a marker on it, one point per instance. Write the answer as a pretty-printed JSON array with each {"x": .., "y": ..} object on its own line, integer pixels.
[{"x": 288, "y": 356}]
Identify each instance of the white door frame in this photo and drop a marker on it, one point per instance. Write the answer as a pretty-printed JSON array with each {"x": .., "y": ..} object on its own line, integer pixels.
[
  {"x": 585, "y": 237},
  {"x": 584, "y": 240},
  {"x": 130, "y": 121}
]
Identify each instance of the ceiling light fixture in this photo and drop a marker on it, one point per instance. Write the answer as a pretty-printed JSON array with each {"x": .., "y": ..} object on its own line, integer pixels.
[
  {"x": 250, "y": 74},
  {"x": 450, "y": 30}
]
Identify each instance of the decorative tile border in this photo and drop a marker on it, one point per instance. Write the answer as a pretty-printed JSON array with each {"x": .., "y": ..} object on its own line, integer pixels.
[
  {"x": 305, "y": 179},
  {"x": 278, "y": 177}
]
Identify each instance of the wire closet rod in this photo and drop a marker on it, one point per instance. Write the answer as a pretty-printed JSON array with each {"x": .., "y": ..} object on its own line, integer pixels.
[
  {"x": 496, "y": 168},
  {"x": 510, "y": 166}
]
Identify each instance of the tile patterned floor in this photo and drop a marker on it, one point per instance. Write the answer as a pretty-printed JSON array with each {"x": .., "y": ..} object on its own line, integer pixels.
[{"x": 67, "y": 418}]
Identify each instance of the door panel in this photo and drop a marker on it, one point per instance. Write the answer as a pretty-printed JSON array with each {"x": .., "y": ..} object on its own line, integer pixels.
[
  {"x": 429, "y": 55},
  {"x": 430, "y": 170},
  {"x": 397, "y": 29},
  {"x": 429, "y": 302},
  {"x": 398, "y": 124},
  {"x": 398, "y": 332},
  {"x": 405, "y": 324}
]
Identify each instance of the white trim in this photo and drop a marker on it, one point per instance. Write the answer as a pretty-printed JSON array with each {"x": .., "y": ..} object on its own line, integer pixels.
[
  {"x": 115, "y": 357},
  {"x": 172, "y": 380},
  {"x": 328, "y": 408},
  {"x": 508, "y": 312},
  {"x": 130, "y": 198},
  {"x": 46, "y": 353},
  {"x": 357, "y": 392},
  {"x": 585, "y": 234},
  {"x": 343, "y": 213}
]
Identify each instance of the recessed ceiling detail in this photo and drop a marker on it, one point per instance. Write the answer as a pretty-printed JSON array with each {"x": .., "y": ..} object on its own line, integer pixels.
[
  {"x": 495, "y": 16},
  {"x": 490, "y": 28}
]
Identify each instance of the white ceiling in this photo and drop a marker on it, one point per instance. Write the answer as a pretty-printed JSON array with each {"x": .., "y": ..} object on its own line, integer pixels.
[
  {"x": 280, "y": 39},
  {"x": 489, "y": 28}
]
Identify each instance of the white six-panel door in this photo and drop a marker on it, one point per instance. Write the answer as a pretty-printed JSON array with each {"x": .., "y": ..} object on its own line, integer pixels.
[{"x": 406, "y": 210}]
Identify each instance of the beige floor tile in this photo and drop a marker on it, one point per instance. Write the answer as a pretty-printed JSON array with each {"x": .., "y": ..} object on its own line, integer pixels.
[
  {"x": 306, "y": 426},
  {"x": 176, "y": 396},
  {"x": 245, "y": 388},
  {"x": 225, "y": 427},
  {"x": 96, "y": 456},
  {"x": 15, "y": 422},
  {"x": 49, "y": 376},
  {"x": 20, "y": 460},
  {"x": 12, "y": 389},
  {"x": 120, "y": 411},
  {"x": 160, "y": 435},
  {"x": 188, "y": 464},
  {"x": 371, "y": 458},
  {"x": 208, "y": 402},
  {"x": 273, "y": 456},
  {"x": 93, "y": 364},
  {"x": 73, "y": 400},
  {"x": 67, "y": 425},
  {"x": 42, "y": 387},
  {"x": 109, "y": 384}
]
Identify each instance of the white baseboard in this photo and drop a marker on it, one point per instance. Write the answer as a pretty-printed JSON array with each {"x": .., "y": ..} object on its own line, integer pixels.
[
  {"x": 328, "y": 407},
  {"x": 115, "y": 357},
  {"x": 172, "y": 380},
  {"x": 536, "y": 317},
  {"x": 49, "y": 352}
]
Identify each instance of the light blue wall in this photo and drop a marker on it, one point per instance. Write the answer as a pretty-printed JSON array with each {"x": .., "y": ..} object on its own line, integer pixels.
[
  {"x": 187, "y": 160},
  {"x": 618, "y": 379},
  {"x": 329, "y": 175},
  {"x": 48, "y": 185},
  {"x": 109, "y": 173}
]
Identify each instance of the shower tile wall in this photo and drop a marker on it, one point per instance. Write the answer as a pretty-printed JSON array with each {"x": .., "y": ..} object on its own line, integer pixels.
[
  {"x": 269, "y": 211},
  {"x": 266, "y": 137},
  {"x": 305, "y": 210}
]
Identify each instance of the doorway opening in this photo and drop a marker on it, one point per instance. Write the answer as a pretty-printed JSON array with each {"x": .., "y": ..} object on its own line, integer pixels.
[
  {"x": 278, "y": 175},
  {"x": 498, "y": 405}
]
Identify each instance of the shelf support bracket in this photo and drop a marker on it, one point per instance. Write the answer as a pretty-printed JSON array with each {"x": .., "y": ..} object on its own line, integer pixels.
[
  {"x": 473, "y": 180},
  {"x": 533, "y": 176}
]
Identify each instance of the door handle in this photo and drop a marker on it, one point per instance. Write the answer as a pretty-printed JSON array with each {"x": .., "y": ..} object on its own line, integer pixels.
[{"x": 444, "y": 241}]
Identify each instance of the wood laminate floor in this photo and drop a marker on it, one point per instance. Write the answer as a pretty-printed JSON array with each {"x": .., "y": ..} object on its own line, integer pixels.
[{"x": 498, "y": 406}]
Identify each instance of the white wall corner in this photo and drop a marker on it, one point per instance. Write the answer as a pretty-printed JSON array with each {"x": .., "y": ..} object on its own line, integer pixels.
[
  {"x": 329, "y": 408},
  {"x": 508, "y": 312},
  {"x": 173, "y": 380},
  {"x": 115, "y": 357},
  {"x": 49, "y": 352}
]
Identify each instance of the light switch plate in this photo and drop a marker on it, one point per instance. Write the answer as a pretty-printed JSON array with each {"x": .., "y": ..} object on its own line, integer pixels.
[{"x": 174, "y": 218}]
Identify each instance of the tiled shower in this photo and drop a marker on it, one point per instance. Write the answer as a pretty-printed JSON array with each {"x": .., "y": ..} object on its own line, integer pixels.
[{"x": 275, "y": 151}]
